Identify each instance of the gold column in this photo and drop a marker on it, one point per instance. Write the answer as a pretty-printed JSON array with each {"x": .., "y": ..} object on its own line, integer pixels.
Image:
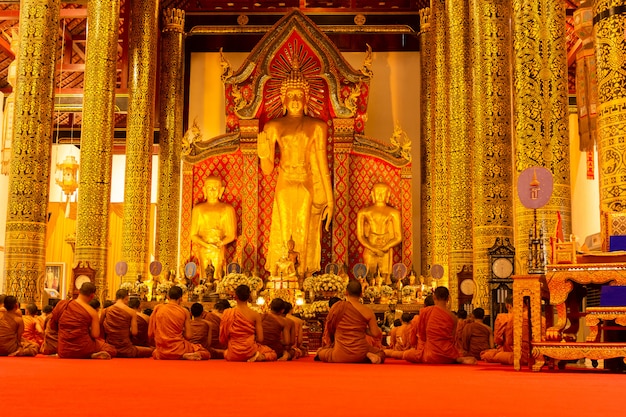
[
  {"x": 139, "y": 137},
  {"x": 25, "y": 254},
  {"x": 170, "y": 136},
  {"x": 609, "y": 26},
  {"x": 460, "y": 142},
  {"x": 441, "y": 160},
  {"x": 541, "y": 114},
  {"x": 427, "y": 148},
  {"x": 92, "y": 222},
  {"x": 491, "y": 114}
]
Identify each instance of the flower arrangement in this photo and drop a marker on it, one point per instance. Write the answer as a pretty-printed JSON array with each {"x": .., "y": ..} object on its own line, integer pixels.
[
  {"x": 372, "y": 292},
  {"x": 409, "y": 291},
  {"x": 230, "y": 282},
  {"x": 309, "y": 284},
  {"x": 309, "y": 311},
  {"x": 329, "y": 283},
  {"x": 200, "y": 289},
  {"x": 164, "y": 287},
  {"x": 128, "y": 286},
  {"x": 255, "y": 283},
  {"x": 142, "y": 288},
  {"x": 386, "y": 291}
]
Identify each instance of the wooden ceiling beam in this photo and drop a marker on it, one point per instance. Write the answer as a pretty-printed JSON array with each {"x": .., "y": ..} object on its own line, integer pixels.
[{"x": 65, "y": 14}]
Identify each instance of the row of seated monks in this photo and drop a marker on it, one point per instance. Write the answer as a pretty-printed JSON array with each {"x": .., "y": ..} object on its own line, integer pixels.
[{"x": 75, "y": 329}]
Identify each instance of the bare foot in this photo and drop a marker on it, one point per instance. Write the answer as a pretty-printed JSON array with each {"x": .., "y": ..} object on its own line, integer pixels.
[
  {"x": 375, "y": 359},
  {"x": 195, "y": 356},
  {"x": 467, "y": 360},
  {"x": 16, "y": 353},
  {"x": 254, "y": 358},
  {"x": 101, "y": 355},
  {"x": 285, "y": 357}
]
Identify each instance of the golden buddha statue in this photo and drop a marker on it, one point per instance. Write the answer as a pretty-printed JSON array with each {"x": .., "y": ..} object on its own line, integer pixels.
[
  {"x": 379, "y": 230},
  {"x": 303, "y": 197},
  {"x": 213, "y": 226}
]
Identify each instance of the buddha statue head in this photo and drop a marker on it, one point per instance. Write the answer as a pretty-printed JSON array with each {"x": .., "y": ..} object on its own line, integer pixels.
[{"x": 294, "y": 91}]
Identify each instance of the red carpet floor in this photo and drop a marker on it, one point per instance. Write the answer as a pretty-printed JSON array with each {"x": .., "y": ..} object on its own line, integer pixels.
[{"x": 45, "y": 386}]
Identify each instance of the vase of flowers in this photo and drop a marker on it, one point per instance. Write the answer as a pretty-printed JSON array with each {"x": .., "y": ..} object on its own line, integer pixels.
[
  {"x": 230, "y": 282},
  {"x": 373, "y": 293},
  {"x": 328, "y": 285},
  {"x": 128, "y": 286},
  {"x": 143, "y": 290},
  {"x": 386, "y": 292},
  {"x": 199, "y": 291},
  {"x": 162, "y": 289}
]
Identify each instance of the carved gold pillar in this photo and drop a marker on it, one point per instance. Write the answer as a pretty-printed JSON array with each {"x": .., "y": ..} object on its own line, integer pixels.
[
  {"x": 170, "y": 136},
  {"x": 427, "y": 143},
  {"x": 610, "y": 20},
  {"x": 441, "y": 161},
  {"x": 460, "y": 142},
  {"x": 92, "y": 222},
  {"x": 139, "y": 137},
  {"x": 248, "y": 241},
  {"x": 342, "y": 146},
  {"x": 27, "y": 213},
  {"x": 490, "y": 28},
  {"x": 541, "y": 114}
]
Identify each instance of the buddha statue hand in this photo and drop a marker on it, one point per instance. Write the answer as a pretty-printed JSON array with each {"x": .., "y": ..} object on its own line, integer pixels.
[{"x": 263, "y": 145}]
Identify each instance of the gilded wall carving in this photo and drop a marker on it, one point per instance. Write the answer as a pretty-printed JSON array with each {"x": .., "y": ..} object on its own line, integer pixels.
[{"x": 30, "y": 164}]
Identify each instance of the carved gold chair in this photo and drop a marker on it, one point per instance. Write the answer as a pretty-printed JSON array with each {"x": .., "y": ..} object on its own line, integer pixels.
[{"x": 564, "y": 252}]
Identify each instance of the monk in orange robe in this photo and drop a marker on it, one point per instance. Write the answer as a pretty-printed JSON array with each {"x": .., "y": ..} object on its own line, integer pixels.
[
  {"x": 78, "y": 326},
  {"x": 170, "y": 325},
  {"x": 241, "y": 330},
  {"x": 119, "y": 321},
  {"x": 399, "y": 340},
  {"x": 32, "y": 326},
  {"x": 436, "y": 332},
  {"x": 214, "y": 317},
  {"x": 143, "y": 321},
  {"x": 347, "y": 324},
  {"x": 201, "y": 330},
  {"x": 476, "y": 336},
  {"x": 298, "y": 349},
  {"x": 276, "y": 328},
  {"x": 50, "y": 336},
  {"x": 460, "y": 324},
  {"x": 11, "y": 330}
]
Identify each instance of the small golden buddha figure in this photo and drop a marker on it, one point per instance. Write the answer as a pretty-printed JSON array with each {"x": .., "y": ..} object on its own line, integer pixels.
[
  {"x": 213, "y": 226},
  {"x": 303, "y": 197},
  {"x": 379, "y": 230},
  {"x": 284, "y": 268}
]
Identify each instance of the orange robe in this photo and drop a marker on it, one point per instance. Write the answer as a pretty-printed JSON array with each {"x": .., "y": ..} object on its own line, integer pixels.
[
  {"x": 239, "y": 334},
  {"x": 475, "y": 339},
  {"x": 200, "y": 329},
  {"x": 167, "y": 323},
  {"x": 458, "y": 337},
  {"x": 9, "y": 342},
  {"x": 344, "y": 336},
  {"x": 50, "y": 338},
  {"x": 141, "y": 338},
  {"x": 116, "y": 326},
  {"x": 412, "y": 331},
  {"x": 30, "y": 330},
  {"x": 272, "y": 333},
  {"x": 73, "y": 323},
  {"x": 217, "y": 348},
  {"x": 435, "y": 338},
  {"x": 503, "y": 337}
]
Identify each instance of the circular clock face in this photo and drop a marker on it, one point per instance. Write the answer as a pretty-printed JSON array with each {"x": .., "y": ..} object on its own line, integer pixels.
[
  {"x": 467, "y": 287},
  {"x": 502, "y": 268},
  {"x": 80, "y": 280}
]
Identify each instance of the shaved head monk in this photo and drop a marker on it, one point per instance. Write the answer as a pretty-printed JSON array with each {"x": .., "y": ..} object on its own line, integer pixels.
[
  {"x": 119, "y": 322},
  {"x": 170, "y": 325},
  {"x": 400, "y": 338},
  {"x": 347, "y": 324},
  {"x": 276, "y": 328},
  {"x": 241, "y": 330},
  {"x": 33, "y": 329},
  {"x": 476, "y": 336},
  {"x": 78, "y": 325},
  {"x": 143, "y": 320},
  {"x": 51, "y": 336},
  {"x": 298, "y": 349},
  {"x": 12, "y": 329},
  {"x": 202, "y": 330},
  {"x": 436, "y": 332},
  {"x": 214, "y": 317}
]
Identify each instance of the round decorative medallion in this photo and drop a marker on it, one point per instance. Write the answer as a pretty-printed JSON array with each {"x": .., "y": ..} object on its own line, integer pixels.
[
  {"x": 243, "y": 20},
  {"x": 359, "y": 20}
]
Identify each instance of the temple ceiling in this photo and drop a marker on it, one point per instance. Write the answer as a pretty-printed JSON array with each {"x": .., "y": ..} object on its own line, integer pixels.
[{"x": 258, "y": 13}]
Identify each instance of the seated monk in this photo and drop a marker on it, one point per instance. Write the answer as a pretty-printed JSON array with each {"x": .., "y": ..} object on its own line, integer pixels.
[
  {"x": 11, "y": 330},
  {"x": 276, "y": 329},
  {"x": 298, "y": 349},
  {"x": 476, "y": 336},
  {"x": 143, "y": 321},
  {"x": 201, "y": 330},
  {"x": 170, "y": 325},
  {"x": 399, "y": 340},
  {"x": 33, "y": 331},
  {"x": 50, "y": 336},
  {"x": 435, "y": 334},
  {"x": 241, "y": 330},
  {"x": 347, "y": 325},
  {"x": 214, "y": 317},
  {"x": 119, "y": 322},
  {"x": 78, "y": 326},
  {"x": 460, "y": 324}
]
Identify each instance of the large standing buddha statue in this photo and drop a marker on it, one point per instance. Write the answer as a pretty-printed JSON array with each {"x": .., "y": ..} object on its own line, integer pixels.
[{"x": 303, "y": 197}]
